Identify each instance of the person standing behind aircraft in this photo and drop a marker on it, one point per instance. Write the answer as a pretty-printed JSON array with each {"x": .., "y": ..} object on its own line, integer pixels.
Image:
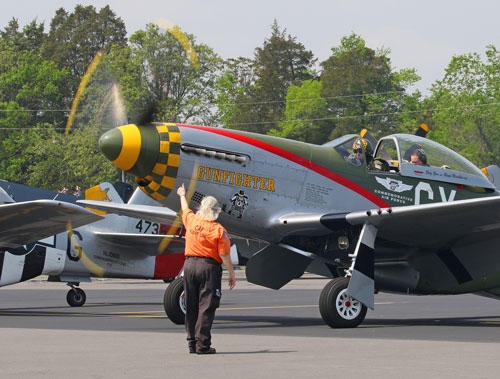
[{"x": 207, "y": 247}]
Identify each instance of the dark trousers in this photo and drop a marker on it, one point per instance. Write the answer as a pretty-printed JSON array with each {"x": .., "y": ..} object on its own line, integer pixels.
[{"x": 202, "y": 291}]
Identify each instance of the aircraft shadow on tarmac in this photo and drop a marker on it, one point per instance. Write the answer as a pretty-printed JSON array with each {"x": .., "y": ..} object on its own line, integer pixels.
[
  {"x": 249, "y": 322},
  {"x": 259, "y": 322},
  {"x": 478, "y": 321},
  {"x": 65, "y": 307},
  {"x": 256, "y": 352}
]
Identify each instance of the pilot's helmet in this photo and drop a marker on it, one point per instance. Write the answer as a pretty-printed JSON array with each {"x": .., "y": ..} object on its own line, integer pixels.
[
  {"x": 420, "y": 153},
  {"x": 361, "y": 143}
]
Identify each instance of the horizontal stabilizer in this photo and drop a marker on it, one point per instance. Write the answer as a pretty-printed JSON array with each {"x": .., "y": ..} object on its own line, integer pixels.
[
  {"x": 276, "y": 265},
  {"x": 152, "y": 213},
  {"x": 30, "y": 221},
  {"x": 143, "y": 243}
]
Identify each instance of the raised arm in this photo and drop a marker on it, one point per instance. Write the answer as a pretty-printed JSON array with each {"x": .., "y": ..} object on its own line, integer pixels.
[{"x": 181, "y": 191}]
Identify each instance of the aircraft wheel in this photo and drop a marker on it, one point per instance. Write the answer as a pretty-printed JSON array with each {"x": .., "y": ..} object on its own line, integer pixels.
[
  {"x": 173, "y": 301},
  {"x": 76, "y": 297},
  {"x": 337, "y": 308}
]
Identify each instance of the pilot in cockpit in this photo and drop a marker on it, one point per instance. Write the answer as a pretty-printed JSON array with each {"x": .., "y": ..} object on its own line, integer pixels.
[{"x": 418, "y": 157}]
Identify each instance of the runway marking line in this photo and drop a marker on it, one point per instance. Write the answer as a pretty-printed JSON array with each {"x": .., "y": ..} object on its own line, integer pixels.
[{"x": 143, "y": 314}]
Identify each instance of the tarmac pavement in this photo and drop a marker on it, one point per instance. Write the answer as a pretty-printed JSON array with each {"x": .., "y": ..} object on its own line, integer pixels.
[
  {"x": 38, "y": 353},
  {"x": 57, "y": 353}
]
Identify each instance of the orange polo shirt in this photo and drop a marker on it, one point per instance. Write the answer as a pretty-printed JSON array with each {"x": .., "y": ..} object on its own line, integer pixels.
[{"x": 204, "y": 238}]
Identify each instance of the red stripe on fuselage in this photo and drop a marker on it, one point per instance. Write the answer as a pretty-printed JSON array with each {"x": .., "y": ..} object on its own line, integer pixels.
[{"x": 296, "y": 159}]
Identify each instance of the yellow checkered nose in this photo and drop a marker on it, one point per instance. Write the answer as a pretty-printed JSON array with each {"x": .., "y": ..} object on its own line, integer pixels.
[{"x": 151, "y": 153}]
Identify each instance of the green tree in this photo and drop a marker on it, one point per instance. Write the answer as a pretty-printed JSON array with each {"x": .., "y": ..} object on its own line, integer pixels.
[
  {"x": 466, "y": 107},
  {"x": 116, "y": 92},
  {"x": 14, "y": 141},
  {"x": 75, "y": 38},
  {"x": 38, "y": 86},
  {"x": 181, "y": 88},
  {"x": 231, "y": 86},
  {"x": 69, "y": 160},
  {"x": 361, "y": 89},
  {"x": 278, "y": 64},
  {"x": 306, "y": 114},
  {"x": 14, "y": 42}
]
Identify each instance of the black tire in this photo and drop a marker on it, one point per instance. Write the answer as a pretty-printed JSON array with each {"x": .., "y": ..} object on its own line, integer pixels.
[
  {"x": 338, "y": 309},
  {"x": 76, "y": 297},
  {"x": 173, "y": 301}
]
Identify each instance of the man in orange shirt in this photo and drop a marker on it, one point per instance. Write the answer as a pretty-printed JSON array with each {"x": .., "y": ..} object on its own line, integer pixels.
[{"x": 207, "y": 247}]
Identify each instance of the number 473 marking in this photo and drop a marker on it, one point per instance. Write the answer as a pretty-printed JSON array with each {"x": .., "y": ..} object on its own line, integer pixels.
[{"x": 143, "y": 226}]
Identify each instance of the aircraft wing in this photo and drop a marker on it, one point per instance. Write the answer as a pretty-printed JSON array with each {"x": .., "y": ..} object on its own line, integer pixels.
[
  {"x": 433, "y": 225},
  {"x": 424, "y": 226},
  {"x": 152, "y": 213},
  {"x": 428, "y": 227},
  {"x": 30, "y": 221},
  {"x": 143, "y": 243}
]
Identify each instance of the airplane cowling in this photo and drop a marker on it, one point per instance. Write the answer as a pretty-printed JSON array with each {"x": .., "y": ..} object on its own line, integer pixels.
[{"x": 151, "y": 153}]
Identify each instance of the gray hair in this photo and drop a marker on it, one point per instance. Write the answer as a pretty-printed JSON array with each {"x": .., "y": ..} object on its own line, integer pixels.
[{"x": 209, "y": 209}]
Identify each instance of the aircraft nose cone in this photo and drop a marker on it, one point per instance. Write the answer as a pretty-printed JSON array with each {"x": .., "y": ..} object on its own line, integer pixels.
[
  {"x": 111, "y": 144},
  {"x": 132, "y": 148}
]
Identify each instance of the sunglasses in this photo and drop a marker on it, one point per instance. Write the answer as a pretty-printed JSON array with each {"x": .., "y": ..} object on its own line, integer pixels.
[{"x": 360, "y": 151}]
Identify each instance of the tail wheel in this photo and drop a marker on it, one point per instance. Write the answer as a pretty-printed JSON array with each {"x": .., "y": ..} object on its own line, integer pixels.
[
  {"x": 76, "y": 297},
  {"x": 337, "y": 308},
  {"x": 173, "y": 301}
]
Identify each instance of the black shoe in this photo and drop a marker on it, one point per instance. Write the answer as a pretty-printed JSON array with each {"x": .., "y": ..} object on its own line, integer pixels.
[
  {"x": 210, "y": 350},
  {"x": 192, "y": 350}
]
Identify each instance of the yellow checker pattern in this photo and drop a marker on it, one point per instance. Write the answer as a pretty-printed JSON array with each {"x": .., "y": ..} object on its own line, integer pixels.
[{"x": 164, "y": 172}]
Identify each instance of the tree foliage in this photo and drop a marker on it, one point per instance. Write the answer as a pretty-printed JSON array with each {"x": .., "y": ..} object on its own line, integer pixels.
[
  {"x": 169, "y": 76},
  {"x": 181, "y": 89},
  {"x": 466, "y": 107},
  {"x": 361, "y": 89},
  {"x": 55, "y": 165},
  {"x": 306, "y": 114},
  {"x": 281, "y": 62},
  {"x": 75, "y": 38},
  {"x": 38, "y": 86}
]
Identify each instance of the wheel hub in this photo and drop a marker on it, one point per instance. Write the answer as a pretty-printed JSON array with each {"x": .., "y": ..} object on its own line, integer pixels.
[
  {"x": 182, "y": 302},
  {"x": 347, "y": 307}
]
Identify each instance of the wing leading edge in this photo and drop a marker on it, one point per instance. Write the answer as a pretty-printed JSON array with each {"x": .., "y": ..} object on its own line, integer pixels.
[
  {"x": 152, "y": 213},
  {"x": 30, "y": 221}
]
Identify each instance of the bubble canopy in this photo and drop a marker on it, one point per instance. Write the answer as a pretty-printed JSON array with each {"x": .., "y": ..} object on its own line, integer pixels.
[{"x": 441, "y": 163}]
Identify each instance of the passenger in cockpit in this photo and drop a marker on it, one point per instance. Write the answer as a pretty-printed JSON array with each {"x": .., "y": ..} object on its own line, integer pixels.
[
  {"x": 418, "y": 157},
  {"x": 362, "y": 152}
]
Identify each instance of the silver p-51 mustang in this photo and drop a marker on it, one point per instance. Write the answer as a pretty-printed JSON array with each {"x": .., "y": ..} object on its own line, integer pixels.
[{"x": 406, "y": 215}]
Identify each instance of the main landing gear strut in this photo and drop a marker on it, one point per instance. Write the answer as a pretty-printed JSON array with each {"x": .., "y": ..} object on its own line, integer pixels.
[
  {"x": 337, "y": 307},
  {"x": 76, "y": 296}
]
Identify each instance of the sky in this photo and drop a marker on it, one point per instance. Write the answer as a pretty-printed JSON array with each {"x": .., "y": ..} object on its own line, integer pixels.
[{"x": 423, "y": 34}]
